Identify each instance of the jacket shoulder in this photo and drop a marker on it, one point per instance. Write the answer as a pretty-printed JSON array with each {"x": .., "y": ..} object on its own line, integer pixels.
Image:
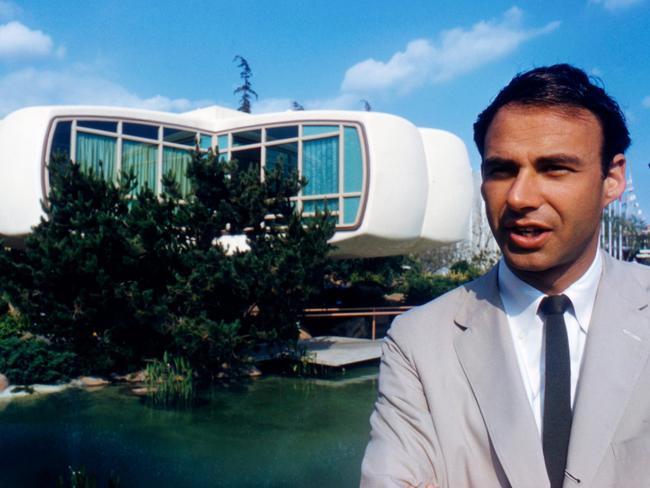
[
  {"x": 437, "y": 317},
  {"x": 630, "y": 272}
]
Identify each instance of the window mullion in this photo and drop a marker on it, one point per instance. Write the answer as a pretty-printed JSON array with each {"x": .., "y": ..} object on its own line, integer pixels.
[
  {"x": 73, "y": 141},
  {"x": 159, "y": 162},
  {"x": 118, "y": 151}
]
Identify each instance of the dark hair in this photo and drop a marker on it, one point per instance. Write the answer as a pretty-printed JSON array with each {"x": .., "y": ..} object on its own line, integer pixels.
[{"x": 565, "y": 86}]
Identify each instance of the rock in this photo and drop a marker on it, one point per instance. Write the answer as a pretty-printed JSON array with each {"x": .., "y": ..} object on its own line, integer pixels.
[
  {"x": 397, "y": 298},
  {"x": 141, "y": 391},
  {"x": 251, "y": 372},
  {"x": 4, "y": 383},
  {"x": 304, "y": 335},
  {"x": 134, "y": 377},
  {"x": 88, "y": 381}
]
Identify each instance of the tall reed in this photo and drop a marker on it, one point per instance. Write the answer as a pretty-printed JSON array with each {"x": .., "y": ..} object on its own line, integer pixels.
[
  {"x": 79, "y": 478},
  {"x": 170, "y": 382}
]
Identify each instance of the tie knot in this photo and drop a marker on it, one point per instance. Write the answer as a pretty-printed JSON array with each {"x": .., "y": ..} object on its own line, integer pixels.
[{"x": 555, "y": 304}]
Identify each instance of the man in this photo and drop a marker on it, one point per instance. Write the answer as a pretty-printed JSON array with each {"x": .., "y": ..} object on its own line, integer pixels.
[{"x": 537, "y": 374}]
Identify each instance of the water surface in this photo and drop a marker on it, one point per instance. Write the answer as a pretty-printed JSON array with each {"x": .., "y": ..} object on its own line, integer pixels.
[{"x": 269, "y": 432}]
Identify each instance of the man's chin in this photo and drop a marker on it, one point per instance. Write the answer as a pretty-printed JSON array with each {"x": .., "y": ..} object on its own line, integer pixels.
[{"x": 526, "y": 262}]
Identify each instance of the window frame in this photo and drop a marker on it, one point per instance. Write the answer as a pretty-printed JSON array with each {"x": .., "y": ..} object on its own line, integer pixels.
[
  {"x": 160, "y": 143},
  {"x": 339, "y": 132}
]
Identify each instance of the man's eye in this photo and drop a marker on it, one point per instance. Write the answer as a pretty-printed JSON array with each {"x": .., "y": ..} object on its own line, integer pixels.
[
  {"x": 497, "y": 172},
  {"x": 556, "y": 170}
]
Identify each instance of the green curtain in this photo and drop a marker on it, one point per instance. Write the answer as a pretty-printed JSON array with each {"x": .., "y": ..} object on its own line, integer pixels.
[
  {"x": 142, "y": 158},
  {"x": 320, "y": 165},
  {"x": 176, "y": 161},
  {"x": 91, "y": 149}
]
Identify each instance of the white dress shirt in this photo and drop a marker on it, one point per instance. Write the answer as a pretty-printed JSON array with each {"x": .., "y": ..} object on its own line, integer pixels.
[{"x": 521, "y": 302}]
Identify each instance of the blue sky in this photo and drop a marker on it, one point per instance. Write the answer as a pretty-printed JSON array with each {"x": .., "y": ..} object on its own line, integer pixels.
[{"x": 436, "y": 63}]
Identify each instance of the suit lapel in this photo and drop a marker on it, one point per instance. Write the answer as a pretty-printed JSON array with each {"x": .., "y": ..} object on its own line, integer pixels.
[
  {"x": 487, "y": 356},
  {"x": 618, "y": 344}
]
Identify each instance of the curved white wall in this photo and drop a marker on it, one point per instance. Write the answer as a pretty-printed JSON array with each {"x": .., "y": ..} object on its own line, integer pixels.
[
  {"x": 22, "y": 136},
  {"x": 450, "y": 188}
]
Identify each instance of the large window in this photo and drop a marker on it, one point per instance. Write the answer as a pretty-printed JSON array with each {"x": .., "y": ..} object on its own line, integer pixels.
[
  {"x": 329, "y": 155},
  {"x": 149, "y": 150},
  {"x": 97, "y": 152},
  {"x": 141, "y": 159}
]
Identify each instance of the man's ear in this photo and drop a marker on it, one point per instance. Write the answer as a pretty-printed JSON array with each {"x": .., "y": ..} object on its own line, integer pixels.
[{"x": 614, "y": 183}]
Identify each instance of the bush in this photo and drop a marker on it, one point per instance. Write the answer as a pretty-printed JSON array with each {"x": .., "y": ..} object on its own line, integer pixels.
[
  {"x": 117, "y": 279},
  {"x": 420, "y": 288},
  {"x": 11, "y": 325},
  {"x": 361, "y": 282},
  {"x": 210, "y": 344},
  {"x": 26, "y": 361},
  {"x": 467, "y": 270}
]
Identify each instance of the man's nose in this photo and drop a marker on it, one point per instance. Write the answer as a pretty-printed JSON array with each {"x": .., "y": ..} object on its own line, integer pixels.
[{"x": 524, "y": 193}]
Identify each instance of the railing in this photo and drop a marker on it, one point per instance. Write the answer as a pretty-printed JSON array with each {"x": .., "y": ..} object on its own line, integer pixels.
[{"x": 372, "y": 312}]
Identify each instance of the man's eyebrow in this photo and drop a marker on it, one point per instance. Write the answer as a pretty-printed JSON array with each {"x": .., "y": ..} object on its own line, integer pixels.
[
  {"x": 559, "y": 159},
  {"x": 550, "y": 159},
  {"x": 496, "y": 161}
]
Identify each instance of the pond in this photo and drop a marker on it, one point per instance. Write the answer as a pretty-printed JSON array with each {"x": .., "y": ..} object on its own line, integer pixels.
[{"x": 273, "y": 431}]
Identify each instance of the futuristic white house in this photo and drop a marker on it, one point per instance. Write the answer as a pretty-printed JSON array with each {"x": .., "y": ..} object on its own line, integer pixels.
[{"x": 393, "y": 188}]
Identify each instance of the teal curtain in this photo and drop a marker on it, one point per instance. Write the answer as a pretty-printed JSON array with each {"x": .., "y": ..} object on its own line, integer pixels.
[
  {"x": 286, "y": 153},
  {"x": 320, "y": 165},
  {"x": 142, "y": 158},
  {"x": 176, "y": 161},
  {"x": 91, "y": 149}
]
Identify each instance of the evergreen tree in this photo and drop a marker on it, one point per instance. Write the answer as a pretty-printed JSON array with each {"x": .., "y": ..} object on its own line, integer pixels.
[
  {"x": 245, "y": 89},
  {"x": 257, "y": 294},
  {"x": 115, "y": 278}
]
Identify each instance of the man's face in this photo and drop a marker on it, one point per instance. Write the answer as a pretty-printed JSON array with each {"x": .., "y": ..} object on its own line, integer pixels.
[{"x": 544, "y": 191}]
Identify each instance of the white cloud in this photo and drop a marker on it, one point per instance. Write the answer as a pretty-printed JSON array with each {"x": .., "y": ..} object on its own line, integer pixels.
[
  {"x": 344, "y": 101},
  {"x": 268, "y": 105},
  {"x": 612, "y": 5},
  {"x": 18, "y": 40},
  {"x": 646, "y": 102},
  {"x": 456, "y": 52},
  {"x": 79, "y": 85}
]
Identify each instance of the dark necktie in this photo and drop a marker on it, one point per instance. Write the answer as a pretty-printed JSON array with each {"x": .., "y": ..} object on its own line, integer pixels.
[{"x": 556, "y": 425}]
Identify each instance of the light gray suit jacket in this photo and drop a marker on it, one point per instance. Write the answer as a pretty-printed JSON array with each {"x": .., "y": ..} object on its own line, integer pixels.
[{"x": 452, "y": 408}]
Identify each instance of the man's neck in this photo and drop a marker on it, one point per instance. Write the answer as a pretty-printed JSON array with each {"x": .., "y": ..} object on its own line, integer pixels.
[{"x": 556, "y": 280}]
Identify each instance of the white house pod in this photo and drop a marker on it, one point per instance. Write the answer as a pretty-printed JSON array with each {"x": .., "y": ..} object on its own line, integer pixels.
[{"x": 393, "y": 188}]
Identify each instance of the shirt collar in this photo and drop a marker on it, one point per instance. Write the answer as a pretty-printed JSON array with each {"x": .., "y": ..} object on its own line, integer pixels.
[{"x": 520, "y": 298}]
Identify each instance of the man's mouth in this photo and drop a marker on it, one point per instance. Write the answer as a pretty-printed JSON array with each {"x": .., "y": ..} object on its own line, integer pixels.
[
  {"x": 526, "y": 237},
  {"x": 527, "y": 231}
]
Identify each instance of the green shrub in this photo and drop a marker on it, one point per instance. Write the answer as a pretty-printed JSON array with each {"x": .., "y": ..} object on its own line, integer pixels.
[
  {"x": 208, "y": 343},
  {"x": 467, "y": 269},
  {"x": 117, "y": 279},
  {"x": 11, "y": 325},
  {"x": 420, "y": 289},
  {"x": 26, "y": 361}
]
